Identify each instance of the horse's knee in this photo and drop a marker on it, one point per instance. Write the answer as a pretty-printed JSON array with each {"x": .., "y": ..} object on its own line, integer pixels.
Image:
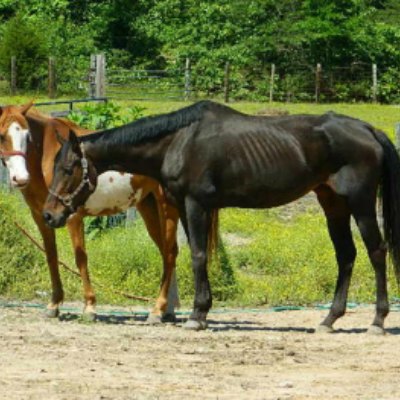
[{"x": 378, "y": 256}]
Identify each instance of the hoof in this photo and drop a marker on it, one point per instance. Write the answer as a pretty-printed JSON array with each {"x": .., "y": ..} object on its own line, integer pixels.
[
  {"x": 89, "y": 316},
  {"x": 375, "y": 330},
  {"x": 168, "y": 317},
  {"x": 194, "y": 325},
  {"x": 324, "y": 329},
  {"x": 153, "y": 319},
  {"x": 52, "y": 312}
]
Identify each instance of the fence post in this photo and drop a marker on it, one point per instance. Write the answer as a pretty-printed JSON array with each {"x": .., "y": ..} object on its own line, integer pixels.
[
  {"x": 52, "y": 78},
  {"x": 226, "y": 81},
  {"x": 397, "y": 135},
  {"x": 100, "y": 75},
  {"x": 92, "y": 76},
  {"x": 318, "y": 82},
  {"x": 187, "y": 79},
  {"x": 374, "y": 83},
  {"x": 13, "y": 81},
  {"x": 271, "y": 83}
]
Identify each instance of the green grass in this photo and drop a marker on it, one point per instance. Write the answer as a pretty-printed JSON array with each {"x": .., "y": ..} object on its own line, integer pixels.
[{"x": 264, "y": 259}]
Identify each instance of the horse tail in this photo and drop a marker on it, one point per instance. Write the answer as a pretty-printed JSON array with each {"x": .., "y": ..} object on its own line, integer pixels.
[
  {"x": 390, "y": 187},
  {"x": 212, "y": 244}
]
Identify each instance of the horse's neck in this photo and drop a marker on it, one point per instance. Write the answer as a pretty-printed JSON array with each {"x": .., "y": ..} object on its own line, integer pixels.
[
  {"x": 144, "y": 159},
  {"x": 37, "y": 128}
]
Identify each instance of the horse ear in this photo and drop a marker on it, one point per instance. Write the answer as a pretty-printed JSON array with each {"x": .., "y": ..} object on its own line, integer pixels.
[
  {"x": 73, "y": 139},
  {"x": 24, "y": 109},
  {"x": 60, "y": 139}
]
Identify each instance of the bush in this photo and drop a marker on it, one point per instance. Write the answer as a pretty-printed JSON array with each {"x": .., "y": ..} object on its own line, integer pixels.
[{"x": 21, "y": 39}]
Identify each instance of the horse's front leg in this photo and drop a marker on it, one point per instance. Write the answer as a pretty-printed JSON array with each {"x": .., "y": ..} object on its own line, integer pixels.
[
  {"x": 198, "y": 222},
  {"x": 49, "y": 241},
  {"x": 77, "y": 235}
]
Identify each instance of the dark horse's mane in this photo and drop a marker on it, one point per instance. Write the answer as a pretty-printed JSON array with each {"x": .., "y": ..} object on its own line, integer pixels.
[{"x": 148, "y": 128}]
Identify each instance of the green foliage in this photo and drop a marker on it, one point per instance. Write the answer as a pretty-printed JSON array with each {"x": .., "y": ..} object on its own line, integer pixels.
[
  {"x": 105, "y": 115},
  {"x": 21, "y": 39}
]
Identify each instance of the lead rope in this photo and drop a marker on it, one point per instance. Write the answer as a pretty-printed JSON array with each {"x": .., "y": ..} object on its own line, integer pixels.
[{"x": 69, "y": 269}]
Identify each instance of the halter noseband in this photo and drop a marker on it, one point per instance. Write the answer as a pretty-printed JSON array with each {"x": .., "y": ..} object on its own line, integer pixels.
[
  {"x": 6, "y": 154},
  {"x": 67, "y": 199}
]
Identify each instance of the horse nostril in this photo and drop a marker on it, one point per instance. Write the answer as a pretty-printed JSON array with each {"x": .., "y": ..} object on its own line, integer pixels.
[{"x": 47, "y": 216}]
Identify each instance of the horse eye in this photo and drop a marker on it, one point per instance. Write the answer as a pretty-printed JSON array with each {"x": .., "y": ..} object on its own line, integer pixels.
[
  {"x": 68, "y": 171},
  {"x": 2, "y": 139}
]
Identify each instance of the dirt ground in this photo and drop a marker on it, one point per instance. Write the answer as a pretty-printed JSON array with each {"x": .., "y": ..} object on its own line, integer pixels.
[{"x": 254, "y": 355}]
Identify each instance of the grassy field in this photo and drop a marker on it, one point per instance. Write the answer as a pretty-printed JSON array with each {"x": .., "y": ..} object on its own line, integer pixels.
[{"x": 266, "y": 257}]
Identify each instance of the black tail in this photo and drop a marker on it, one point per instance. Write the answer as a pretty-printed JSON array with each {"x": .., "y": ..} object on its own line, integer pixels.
[{"x": 391, "y": 199}]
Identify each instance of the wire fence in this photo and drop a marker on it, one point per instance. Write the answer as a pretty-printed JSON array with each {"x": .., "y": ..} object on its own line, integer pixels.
[
  {"x": 191, "y": 80},
  {"x": 139, "y": 84}
]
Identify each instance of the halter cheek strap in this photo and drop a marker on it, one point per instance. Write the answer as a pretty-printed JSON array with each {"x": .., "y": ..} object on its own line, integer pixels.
[{"x": 67, "y": 199}]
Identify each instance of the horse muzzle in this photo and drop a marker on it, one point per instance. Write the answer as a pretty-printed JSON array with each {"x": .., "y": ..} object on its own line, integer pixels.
[{"x": 54, "y": 220}]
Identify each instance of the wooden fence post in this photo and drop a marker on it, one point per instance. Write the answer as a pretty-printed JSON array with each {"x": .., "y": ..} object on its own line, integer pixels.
[
  {"x": 271, "y": 83},
  {"x": 13, "y": 80},
  {"x": 374, "y": 83},
  {"x": 52, "y": 78},
  {"x": 397, "y": 135},
  {"x": 226, "y": 81},
  {"x": 187, "y": 79},
  {"x": 100, "y": 80},
  {"x": 318, "y": 82}
]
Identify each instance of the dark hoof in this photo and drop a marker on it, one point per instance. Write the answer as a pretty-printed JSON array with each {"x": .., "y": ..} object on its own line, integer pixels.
[
  {"x": 153, "y": 319},
  {"x": 168, "y": 317},
  {"x": 52, "y": 312},
  {"x": 194, "y": 325},
  {"x": 324, "y": 329},
  {"x": 88, "y": 317},
  {"x": 375, "y": 330}
]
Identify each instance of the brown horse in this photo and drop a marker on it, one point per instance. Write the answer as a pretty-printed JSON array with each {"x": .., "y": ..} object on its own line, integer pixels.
[{"x": 30, "y": 165}]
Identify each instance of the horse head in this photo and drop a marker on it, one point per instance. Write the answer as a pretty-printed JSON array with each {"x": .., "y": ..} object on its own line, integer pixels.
[
  {"x": 14, "y": 136},
  {"x": 74, "y": 180}
]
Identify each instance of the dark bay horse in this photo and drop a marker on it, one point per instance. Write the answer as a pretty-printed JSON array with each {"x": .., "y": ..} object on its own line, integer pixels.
[
  {"x": 208, "y": 156},
  {"x": 30, "y": 165}
]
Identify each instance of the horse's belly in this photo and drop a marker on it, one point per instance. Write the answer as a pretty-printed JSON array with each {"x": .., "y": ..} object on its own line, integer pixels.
[{"x": 114, "y": 193}]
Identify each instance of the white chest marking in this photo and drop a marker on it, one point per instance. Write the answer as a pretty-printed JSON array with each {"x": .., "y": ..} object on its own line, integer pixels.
[{"x": 114, "y": 193}]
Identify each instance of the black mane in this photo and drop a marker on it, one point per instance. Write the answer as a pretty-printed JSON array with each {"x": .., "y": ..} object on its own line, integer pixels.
[{"x": 152, "y": 127}]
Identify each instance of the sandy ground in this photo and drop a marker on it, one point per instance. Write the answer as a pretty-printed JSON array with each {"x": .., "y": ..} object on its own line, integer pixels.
[{"x": 250, "y": 355}]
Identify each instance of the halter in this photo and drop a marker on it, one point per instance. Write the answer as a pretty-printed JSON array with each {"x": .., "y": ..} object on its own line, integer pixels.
[
  {"x": 7, "y": 154},
  {"x": 67, "y": 199}
]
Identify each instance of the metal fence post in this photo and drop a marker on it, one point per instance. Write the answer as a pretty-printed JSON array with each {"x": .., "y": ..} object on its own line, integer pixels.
[
  {"x": 226, "y": 81},
  {"x": 187, "y": 79},
  {"x": 92, "y": 76},
  {"x": 271, "y": 83},
  {"x": 13, "y": 81}
]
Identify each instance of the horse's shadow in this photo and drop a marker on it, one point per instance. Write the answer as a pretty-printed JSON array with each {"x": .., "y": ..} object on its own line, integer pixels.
[{"x": 213, "y": 325}]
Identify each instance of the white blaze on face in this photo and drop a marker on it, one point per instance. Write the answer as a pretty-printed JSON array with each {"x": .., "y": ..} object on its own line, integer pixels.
[
  {"x": 113, "y": 192},
  {"x": 16, "y": 165}
]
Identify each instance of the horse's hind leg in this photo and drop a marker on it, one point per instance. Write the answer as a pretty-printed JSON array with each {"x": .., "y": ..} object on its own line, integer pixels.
[
  {"x": 338, "y": 219},
  {"x": 76, "y": 232},
  {"x": 161, "y": 222},
  {"x": 368, "y": 226}
]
